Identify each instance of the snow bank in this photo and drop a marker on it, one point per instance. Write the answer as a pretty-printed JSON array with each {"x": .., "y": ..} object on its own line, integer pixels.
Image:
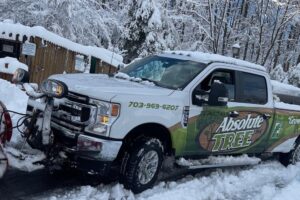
[
  {"x": 9, "y": 65},
  {"x": 16, "y": 100},
  {"x": 11, "y": 30},
  {"x": 26, "y": 160},
  {"x": 266, "y": 181},
  {"x": 12, "y": 97},
  {"x": 19, "y": 154}
]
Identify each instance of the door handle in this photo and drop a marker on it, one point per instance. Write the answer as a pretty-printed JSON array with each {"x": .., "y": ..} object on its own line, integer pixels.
[
  {"x": 266, "y": 116},
  {"x": 234, "y": 114}
]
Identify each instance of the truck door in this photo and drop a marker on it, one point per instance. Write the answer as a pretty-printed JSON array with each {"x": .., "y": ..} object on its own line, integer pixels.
[{"x": 232, "y": 120}]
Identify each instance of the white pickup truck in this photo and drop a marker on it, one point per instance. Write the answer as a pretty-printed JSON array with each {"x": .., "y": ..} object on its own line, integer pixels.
[{"x": 171, "y": 105}]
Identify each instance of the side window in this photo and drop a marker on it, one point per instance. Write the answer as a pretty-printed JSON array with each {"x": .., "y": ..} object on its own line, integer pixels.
[
  {"x": 252, "y": 88},
  {"x": 224, "y": 76}
]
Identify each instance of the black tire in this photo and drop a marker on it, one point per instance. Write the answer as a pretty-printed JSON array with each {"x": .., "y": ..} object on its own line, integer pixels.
[
  {"x": 138, "y": 158},
  {"x": 292, "y": 157}
]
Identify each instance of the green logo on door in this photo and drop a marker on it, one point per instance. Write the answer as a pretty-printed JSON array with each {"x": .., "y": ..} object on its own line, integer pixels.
[{"x": 233, "y": 133}]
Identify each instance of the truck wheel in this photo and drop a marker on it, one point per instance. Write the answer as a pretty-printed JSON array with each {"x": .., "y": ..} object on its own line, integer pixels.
[
  {"x": 141, "y": 164},
  {"x": 292, "y": 157}
]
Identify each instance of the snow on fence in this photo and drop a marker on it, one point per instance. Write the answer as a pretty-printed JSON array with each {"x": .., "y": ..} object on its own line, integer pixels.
[
  {"x": 11, "y": 31},
  {"x": 46, "y": 53}
]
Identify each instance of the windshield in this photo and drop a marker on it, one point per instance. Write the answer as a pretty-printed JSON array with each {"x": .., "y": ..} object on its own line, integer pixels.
[{"x": 165, "y": 72}]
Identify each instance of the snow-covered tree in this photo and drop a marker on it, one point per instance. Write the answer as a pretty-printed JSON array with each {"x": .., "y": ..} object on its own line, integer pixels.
[
  {"x": 278, "y": 74},
  {"x": 267, "y": 30},
  {"x": 143, "y": 29},
  {"x": 294, "y": 75},
  {"x": 89, "y": 22}
]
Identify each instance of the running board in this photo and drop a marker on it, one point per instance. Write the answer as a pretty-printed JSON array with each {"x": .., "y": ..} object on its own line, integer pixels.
[
  {"x": 220, "y": 165},
  {"x": 218, "y": 162}
]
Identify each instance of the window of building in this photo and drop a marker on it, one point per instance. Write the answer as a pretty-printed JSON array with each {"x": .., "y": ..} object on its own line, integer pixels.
[{"x": 8, "y": 48}]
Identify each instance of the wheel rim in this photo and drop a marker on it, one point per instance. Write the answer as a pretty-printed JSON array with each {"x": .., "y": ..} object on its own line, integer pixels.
[
  {"x": 148, "y": 167},
  {"x": 296, "y": 157}
]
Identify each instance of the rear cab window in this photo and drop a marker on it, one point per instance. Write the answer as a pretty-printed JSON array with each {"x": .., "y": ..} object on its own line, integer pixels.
[{"x": 251, "y": 88}]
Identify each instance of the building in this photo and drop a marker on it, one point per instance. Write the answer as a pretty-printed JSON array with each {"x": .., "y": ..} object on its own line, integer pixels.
[{"x": 46, "y": 53}]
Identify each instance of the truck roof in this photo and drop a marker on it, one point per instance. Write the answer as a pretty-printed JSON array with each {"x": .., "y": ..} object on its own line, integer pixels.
[{"x": 209, "y": 58}]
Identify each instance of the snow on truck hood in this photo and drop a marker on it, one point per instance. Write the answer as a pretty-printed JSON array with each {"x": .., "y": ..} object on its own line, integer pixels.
[{"x": 102, "y": 87}]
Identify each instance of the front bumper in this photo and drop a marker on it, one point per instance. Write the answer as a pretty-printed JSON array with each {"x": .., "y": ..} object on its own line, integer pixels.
[
  {"x": 88, "y": 153},
  {"x": 98, "y": 149}
]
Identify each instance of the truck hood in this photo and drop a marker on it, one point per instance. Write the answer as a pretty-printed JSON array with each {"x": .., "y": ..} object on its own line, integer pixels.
[{"x": 102, "y": 87}]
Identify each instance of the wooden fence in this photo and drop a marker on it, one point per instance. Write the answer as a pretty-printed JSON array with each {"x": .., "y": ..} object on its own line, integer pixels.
[
  {"x": 49, "y": 59},
  {"x": 103, "y": 68},
  {"x": 52, "y": 59}
]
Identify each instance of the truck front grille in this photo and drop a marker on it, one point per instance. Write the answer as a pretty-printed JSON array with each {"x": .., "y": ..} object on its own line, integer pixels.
[
  {"x": 78, "y": 98},
  {"x": 74, "y": 114}
]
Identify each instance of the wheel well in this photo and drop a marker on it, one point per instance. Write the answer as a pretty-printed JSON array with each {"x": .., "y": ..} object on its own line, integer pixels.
[{"x": 148, "y": 130}]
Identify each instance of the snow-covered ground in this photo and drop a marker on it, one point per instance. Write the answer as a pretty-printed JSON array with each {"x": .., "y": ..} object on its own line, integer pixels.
[
  {"x": 266, "y": 181},
  {"x": 269, "y": 180}
]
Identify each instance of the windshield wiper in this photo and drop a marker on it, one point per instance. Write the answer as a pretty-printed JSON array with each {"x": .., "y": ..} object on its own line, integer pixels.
[
  {"x": 124, "y": 76},
  {"x": 147, "y": 79},
  {"x": 157, "y": 83}
]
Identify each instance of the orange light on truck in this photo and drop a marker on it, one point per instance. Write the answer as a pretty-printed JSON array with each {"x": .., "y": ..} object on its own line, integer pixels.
[{"x": 115, "y": 108}]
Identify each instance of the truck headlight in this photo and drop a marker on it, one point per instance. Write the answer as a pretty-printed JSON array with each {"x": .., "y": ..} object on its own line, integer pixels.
[{"x": 106, "y": 114}]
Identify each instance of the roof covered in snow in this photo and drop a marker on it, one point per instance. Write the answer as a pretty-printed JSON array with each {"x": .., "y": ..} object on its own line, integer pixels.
[
  {"x": 9, "y": 65},
  {"x": 10, "y": 31},
  {"x": 208, "y": 58}
]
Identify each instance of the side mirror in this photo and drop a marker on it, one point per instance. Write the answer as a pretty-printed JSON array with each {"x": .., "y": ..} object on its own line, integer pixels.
[
  {"x": 199, "y": 97},
  {"x": 20, "y": 76},
  {"x": 218, "y": 95}
]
